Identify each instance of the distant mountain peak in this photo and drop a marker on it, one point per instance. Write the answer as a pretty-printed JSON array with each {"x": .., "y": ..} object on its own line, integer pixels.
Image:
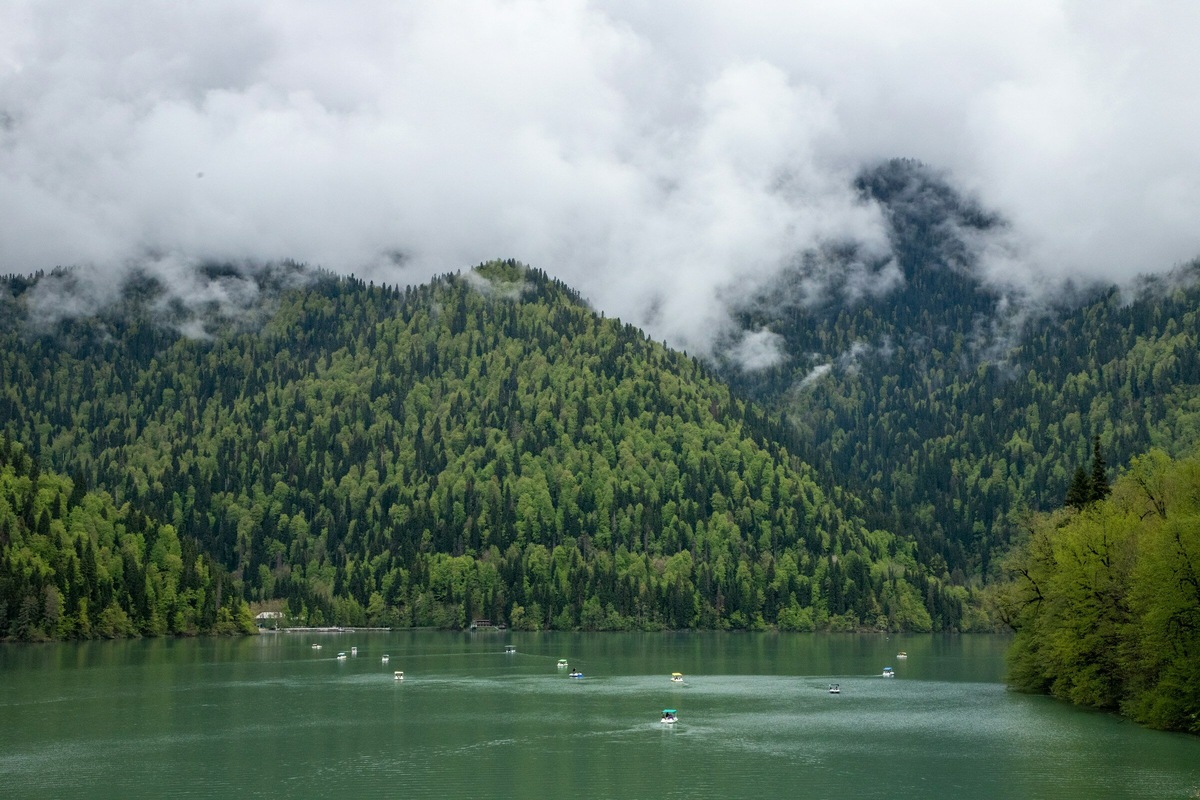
[
  {"x": 842, "y": 300},
  {"x": 932, "y": 224}
]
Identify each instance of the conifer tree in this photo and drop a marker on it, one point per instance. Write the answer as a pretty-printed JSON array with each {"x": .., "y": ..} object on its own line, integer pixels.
[
  {"x": 1099, "y": 482},
  {"x": 1079, "y": 493}
]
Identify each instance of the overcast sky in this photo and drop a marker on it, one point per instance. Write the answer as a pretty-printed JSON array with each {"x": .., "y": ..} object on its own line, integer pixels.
[{"x": 660, "y": 156}]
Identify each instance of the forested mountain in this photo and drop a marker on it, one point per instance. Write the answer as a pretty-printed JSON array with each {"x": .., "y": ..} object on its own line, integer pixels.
[
  {"x": 484, "y": 446},
  {"x": 951, "y": 407}
]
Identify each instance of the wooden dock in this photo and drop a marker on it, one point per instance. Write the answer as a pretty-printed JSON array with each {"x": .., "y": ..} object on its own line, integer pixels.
[
  {"x": 487, "y": 625},
  {"x": 332, "y": 629}
]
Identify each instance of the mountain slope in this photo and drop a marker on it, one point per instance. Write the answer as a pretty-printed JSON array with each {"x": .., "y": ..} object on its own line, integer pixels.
[
  {"x": 482, "y": 446},
  {"x": 952, "y": 407}
]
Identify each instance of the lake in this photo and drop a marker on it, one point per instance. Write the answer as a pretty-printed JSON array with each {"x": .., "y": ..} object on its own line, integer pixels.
[{"x": 270, "y": 716}]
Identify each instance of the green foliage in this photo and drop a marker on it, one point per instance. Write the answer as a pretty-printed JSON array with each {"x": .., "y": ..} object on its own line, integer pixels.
[
  {"x": 88, "y": 569},
  {"x": 484, "y": 446},
  {"x": 1106, "y": 601}
]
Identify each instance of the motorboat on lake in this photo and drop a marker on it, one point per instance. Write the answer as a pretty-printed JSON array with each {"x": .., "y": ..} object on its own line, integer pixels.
[
  {"x": 835, "y": 688},
  {"x": 341, "y": 656},
  {"x": 902, "y": 654},
  {"x": 353, "y": 651},
  {"x": 316, "y": 646},
  {"x": 676, "y": 677},
  {"x": 575, "y": 674},
  {"x": 562, "y": 663},
  {"x": 668, "y": 716},
  {"x": 888, "y": 672},
  {"x": 386, "y": 658},
  {"x": 509, "y": 649},
  {"x": 398, "y": 675}
]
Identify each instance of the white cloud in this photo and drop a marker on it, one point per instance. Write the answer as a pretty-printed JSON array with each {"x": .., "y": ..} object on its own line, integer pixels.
[
  {"x": 664, "y": 158},
  {"x": 758, "y": 350},
  {"x": 814, "y": 375}
]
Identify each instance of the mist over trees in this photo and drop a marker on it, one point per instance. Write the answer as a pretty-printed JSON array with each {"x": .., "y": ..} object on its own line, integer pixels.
[{"x": 952, "y": 406}]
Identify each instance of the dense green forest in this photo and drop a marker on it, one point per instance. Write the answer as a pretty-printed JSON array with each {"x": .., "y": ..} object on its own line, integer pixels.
[
  {"x": 1105, "y": 597},
  {"x": 484, "y": 446},
  {"x": 951, "y": 406},
  {"x": 487, "y": 446},
  {"x": 76, "y": 566}
]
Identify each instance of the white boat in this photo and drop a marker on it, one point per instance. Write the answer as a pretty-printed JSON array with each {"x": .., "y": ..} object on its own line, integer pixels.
[
  {"x": 575, "y": 674},
  {"x": 353, "y": 651},
  {"x": 386, "y": 658},
  {"x": 835, "y": 688},
  {"x": 316, "y": 646},
  {"x": 562, "y": 663},
  {"x": 341, "y": 656},
  {"x": 398, "y": 675},
  {"x": 902, "y": 654},
  {"x": 668, "y": 717},
  {"x": 888, "y": 672},
  {"x": 676, "y": 677},
  {"x": 509, "y": 649}
]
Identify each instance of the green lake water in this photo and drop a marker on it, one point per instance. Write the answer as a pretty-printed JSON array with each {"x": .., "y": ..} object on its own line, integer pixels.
[{"x": 269, "y": 716}]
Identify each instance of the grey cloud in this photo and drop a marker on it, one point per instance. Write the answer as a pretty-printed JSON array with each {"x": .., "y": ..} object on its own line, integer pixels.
[
  {"x": 666, "y": 159},
  {"x": 758, "y": 350},
  {"x": 814, "y": 375}
]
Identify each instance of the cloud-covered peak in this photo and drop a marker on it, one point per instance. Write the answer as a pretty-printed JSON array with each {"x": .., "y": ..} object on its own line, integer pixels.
[{"x": 665, "y": 158}]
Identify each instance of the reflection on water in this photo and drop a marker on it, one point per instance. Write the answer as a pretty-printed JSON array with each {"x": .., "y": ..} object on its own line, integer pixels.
[{"x": 271, "y": 717}]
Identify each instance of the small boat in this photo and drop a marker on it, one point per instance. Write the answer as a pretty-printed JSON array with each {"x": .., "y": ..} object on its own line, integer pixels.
[
  {"x": 668, "y": 716},
  {"x": 386, "y": 658},
  {"x": 888, "y": 672},
  {"x": 353, "y": 651},
  {"x": 902, "y": 654},
  {"x": 676, "y": 677},
  {"x": 316, "y": 646},
  {"x": 509, "y": 649},
  {"x": 835, "y": 688},
  {"x": 398, "y": 675},
  {"x": 575, "y": 674},
  {"x": 341, "y": 656},
  {"x": 562, "y": 663}
]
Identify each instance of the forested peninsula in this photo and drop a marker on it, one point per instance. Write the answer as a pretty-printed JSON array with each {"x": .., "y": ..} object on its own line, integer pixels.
[{"x": 1104, "y": 596}]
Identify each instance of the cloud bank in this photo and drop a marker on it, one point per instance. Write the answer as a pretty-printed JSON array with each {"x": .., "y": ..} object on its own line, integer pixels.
[{"x": 664, "y": 158}]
